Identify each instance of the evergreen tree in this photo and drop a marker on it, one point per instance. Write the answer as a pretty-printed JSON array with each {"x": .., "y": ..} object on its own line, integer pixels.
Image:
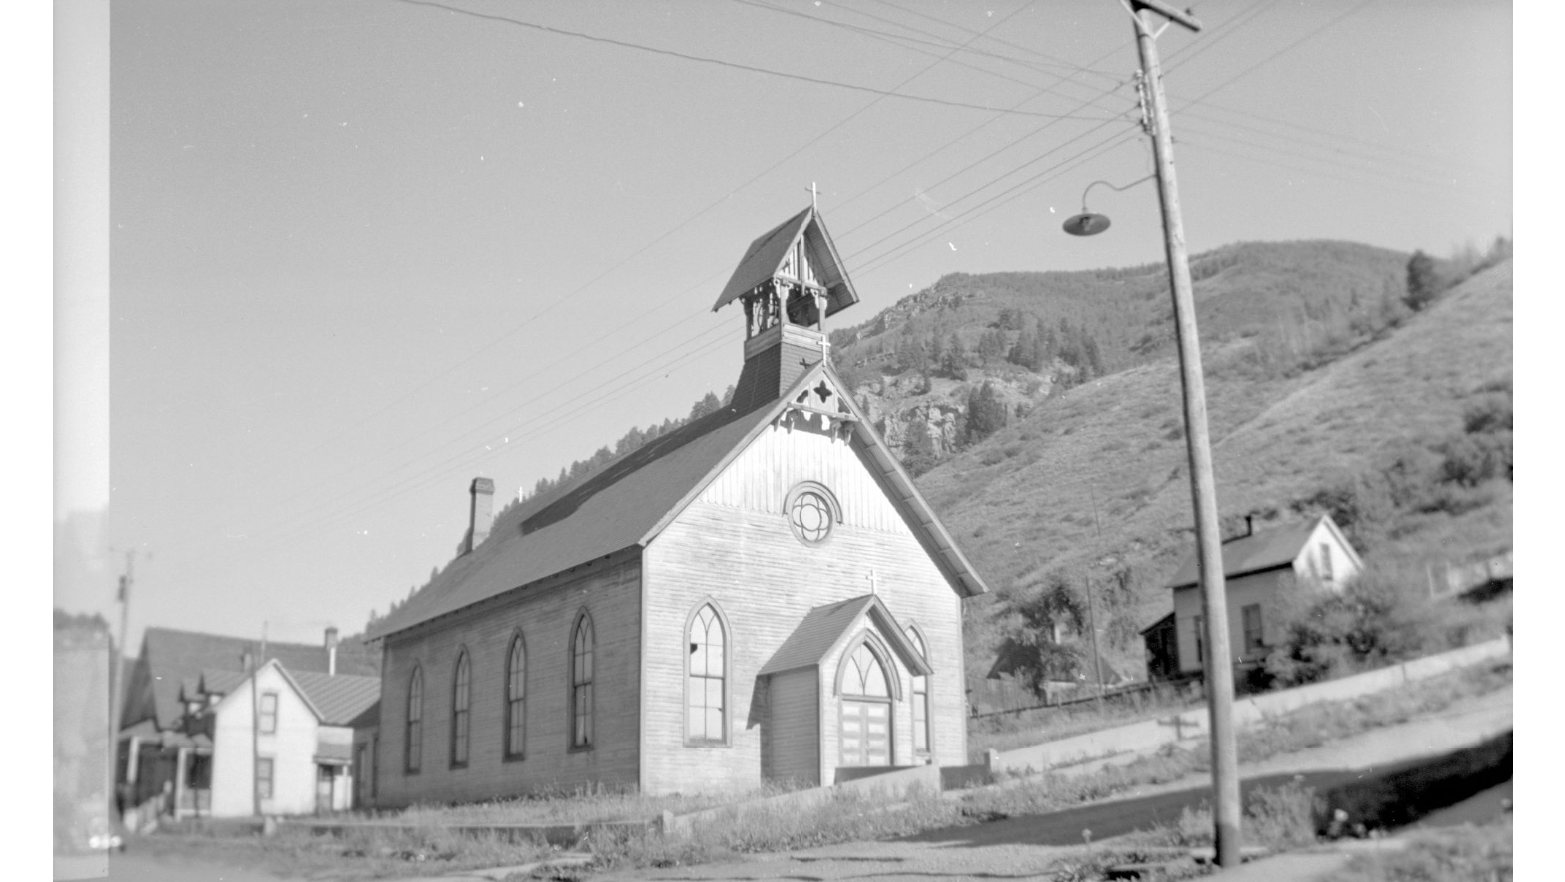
[
  {"x": 954, "y": 364},
  {"x": 986, "y": 413},
  {"x": 1423, "y": 282},
  {"x": 991, "y": 346}
]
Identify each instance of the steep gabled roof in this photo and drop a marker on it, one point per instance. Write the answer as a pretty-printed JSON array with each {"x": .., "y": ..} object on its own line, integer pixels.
[
  {"x": 766, "y": 254},
  {"x": 335, "y": 699},
  {"x": 1261, "y": 551},
  {"x": 824, "y": 629},
  {"x": 170, "y": 657},
  {"x": 628, "y": 501},
  {"x": 338, "y": 699}
]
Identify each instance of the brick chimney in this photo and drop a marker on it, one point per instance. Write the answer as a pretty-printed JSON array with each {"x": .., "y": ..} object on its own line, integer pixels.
[
  {"x": 331, "y": 652},
  {"x": 481, "y": 514}
]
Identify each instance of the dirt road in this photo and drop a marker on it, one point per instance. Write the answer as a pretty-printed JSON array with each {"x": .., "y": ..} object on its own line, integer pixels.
[{"x": 1023, "y": 847}]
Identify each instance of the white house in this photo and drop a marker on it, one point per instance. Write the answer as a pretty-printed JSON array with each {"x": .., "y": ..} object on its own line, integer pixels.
[
  {"x": 1261, "y": 569},
  {"x": 291, "y": 745}
]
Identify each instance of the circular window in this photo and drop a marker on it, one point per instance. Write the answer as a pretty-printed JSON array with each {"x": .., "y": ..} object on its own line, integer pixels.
[{"x": 811, "y": 512}]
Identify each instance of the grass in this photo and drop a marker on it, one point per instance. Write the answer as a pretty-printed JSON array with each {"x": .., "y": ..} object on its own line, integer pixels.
[
  {"x": 1470, "y": 853},
  {"x": 1279, "y": 818},
  {"x": 359, "y": 854},
  {"x": 846, "y": 816},
  {"x": 578, "y": 806},
  {"x": 1307, "y": 727}
]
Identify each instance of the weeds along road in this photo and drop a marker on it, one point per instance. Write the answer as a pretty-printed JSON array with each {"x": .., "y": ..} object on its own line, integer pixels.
[{"x": 1023, "y": 847}]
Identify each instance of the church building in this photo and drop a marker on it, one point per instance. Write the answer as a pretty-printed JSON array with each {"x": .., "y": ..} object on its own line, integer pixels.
[{"x": 760, "y": 595}]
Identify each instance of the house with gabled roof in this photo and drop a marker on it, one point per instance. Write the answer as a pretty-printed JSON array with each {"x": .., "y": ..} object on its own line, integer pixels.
[
  {"x": 279, "y": 740},
  {"x": 1264, "y": 570},
  {"x": 158, "y": 753},
  {"x": 759, "y": 595}
]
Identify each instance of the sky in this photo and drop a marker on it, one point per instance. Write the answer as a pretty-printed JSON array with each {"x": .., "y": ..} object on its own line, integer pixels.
[{"x": 362, "y": 252}]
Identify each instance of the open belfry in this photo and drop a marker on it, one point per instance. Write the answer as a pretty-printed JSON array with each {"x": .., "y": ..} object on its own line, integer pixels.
[{"x": 759, "y": 595}]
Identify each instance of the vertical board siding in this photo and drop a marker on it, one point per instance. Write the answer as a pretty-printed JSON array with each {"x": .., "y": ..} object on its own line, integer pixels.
[
  {"x": 792, "y": 748},
  {"x": 610, "y": 591},
  {"x": 759, "y": 480},
  {"x": 734, "y": 544}
]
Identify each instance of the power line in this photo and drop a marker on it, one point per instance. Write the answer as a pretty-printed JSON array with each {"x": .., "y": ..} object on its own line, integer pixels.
[{"x": 819, "y": 81}]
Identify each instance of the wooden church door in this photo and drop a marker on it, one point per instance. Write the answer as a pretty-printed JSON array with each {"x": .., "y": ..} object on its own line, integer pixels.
[{"x": 864, "y": 732}]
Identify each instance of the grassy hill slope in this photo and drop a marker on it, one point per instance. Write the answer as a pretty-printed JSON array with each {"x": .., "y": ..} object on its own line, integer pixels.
[{"x": 1022, "y": 502}]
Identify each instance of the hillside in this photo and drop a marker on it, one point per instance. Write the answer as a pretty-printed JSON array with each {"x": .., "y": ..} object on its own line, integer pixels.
[{"x": 1022, "y": 501}]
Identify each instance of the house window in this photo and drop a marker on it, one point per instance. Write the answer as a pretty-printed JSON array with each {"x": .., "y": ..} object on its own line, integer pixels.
[
  {"x": 263, "y": 777},
  {"x": 459, "y": 708},
  {"x": 1325, "y": 563},
  {"x": 1200, "y": 642},
  {"x": 704, "y": 690},
  {"x": 268, "y": 713},
  {"x": 581, "y": 683},
  {"x": 920, "y": 696},
  {"x": 1254, "y": 639},
  {"x": 415, "y": 728},
  {"x": 516, "y": 699}
]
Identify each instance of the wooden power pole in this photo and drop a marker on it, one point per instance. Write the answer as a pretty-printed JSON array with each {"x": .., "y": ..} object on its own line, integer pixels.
[{"x": 1209, "y": 551}]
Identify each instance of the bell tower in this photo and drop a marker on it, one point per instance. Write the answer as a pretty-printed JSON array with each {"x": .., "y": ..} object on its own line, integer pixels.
[{"x": 789, "y": 281}]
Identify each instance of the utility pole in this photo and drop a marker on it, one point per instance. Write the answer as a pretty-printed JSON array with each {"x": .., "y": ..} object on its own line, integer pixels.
[
  {"x": 116, "y": 671},
  {"x": 1209, "y": 551},
  {"x": 1097, "y": 658}
]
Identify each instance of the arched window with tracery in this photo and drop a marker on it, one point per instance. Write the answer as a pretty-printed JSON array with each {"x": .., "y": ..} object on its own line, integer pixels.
[
  {"x": 516, "y": 699},
  {"x": 706, "y": 716},
  {"x": 865, "y": 677},
  {"x": 413, "y": 744},
  {"x": 581, "y": 682},
  {"x": 461, "y": 689}
]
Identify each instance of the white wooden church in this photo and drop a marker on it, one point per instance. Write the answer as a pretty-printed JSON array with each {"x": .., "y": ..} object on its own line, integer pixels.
[{"x": 760, "y": 595}]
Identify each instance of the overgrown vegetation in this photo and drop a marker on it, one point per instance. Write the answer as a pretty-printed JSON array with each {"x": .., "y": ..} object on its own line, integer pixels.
[
  {"x": 1384, "y": 616},
  {"x": 370, "y": 853},
  {"x": 1469, "y": 853},
  {"x": 844, "y": 817}
]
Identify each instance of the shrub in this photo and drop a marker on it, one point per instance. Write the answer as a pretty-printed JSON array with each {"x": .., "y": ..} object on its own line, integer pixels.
[{"x": 1423, "y": 281}]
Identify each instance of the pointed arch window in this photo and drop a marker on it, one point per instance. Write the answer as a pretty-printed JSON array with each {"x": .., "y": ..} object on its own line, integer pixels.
[
  {"x": 920, "y": 695},
  {"x": 516, "y": 699},
  {"x": 413, "y": 744},
  {"x": 461, "y": 689},
  {"x": 581, "y": 683},
  {"x": 863, "y": 676},
  {"x": 706, "y": 693}
]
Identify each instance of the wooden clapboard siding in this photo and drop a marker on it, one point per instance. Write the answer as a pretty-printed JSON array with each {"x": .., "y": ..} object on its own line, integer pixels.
[
  {"x": 733, "y": 544},
  {"x": 545, "y": 613},
  {"x": 792, "y": 748},
  {"x": 780, "y": 458}
]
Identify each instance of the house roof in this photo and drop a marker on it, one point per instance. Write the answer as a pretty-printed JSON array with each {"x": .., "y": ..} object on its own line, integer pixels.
[
  {"x": 338, "y": 699},
  {"x": 173, "y": 656},
  {"x": 824, "y": 628},
  {"x": 335, "y": 699},
  {"x": 1167, "y": 620},
  {"x": 765, "y": 255},
  {"x": 1263, "y": 550},
  {"x": 629, "y": 500}
]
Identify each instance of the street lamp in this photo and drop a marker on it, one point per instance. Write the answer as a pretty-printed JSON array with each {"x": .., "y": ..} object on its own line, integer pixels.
[
  {"x": 1088, "y": 223},
  {"x": 1209, "y": 554}
]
